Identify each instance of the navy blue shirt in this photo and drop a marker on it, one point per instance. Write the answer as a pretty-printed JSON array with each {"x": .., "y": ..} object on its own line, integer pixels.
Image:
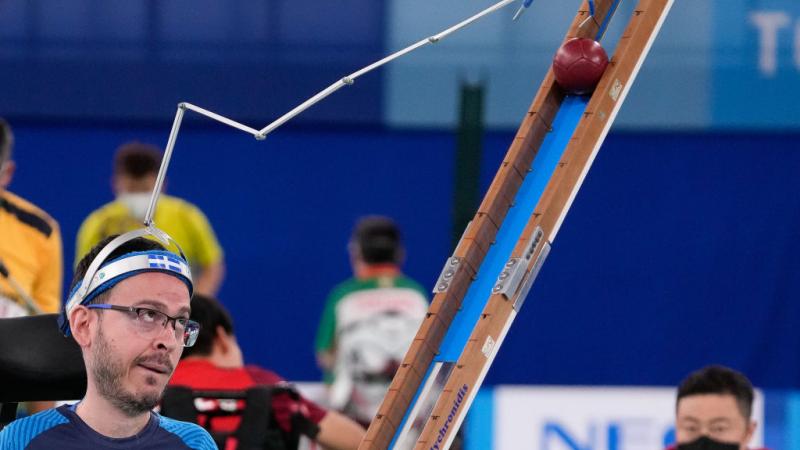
[{"x": 61, "y": 428}]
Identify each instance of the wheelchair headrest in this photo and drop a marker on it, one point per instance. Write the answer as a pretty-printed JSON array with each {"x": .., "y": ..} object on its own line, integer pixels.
[{"x": 37, "y": 362}]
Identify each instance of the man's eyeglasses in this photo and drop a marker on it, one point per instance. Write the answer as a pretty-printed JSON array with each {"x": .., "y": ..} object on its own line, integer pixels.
[{"x": 150, "y": 322}]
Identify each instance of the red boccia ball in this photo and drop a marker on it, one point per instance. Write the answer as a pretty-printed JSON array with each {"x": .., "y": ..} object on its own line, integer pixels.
[{"x": 579, "y": 64}]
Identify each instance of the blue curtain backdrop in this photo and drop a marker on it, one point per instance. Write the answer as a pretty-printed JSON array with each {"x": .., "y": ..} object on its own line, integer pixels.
[{"x": 680, "y": 249}]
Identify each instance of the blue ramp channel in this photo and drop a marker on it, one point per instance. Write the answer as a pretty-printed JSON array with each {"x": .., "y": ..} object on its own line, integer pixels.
[
  {"x": 544, "y": 164},
  {"x": 525, "y": 202},
  {"x": 474, "y": 302}
]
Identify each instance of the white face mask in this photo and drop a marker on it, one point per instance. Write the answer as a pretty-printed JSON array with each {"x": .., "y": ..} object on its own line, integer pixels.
[{"x": 136, "y": 202}]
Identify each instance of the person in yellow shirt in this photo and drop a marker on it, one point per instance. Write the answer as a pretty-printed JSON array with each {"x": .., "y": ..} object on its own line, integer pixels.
[
  {"x": 135, "y": 171},
  {"x": 30, "y": 252},
  {"x": 30, "y": 247}
]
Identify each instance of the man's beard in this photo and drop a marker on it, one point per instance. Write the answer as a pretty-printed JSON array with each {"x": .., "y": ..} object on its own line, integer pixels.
[{"x": 108, "y": 373}]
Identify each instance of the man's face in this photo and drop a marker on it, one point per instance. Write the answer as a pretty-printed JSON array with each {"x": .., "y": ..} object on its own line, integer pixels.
[
  {"x": 714, "y": 415},
  {"x": 125, "y": 184},
  {"x": 128, "y": 368}
]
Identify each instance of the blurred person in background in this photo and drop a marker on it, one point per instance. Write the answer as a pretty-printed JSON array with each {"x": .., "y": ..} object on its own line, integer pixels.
[
  {"x": 30, "y": 246},
  {"x": 369, "y": 321},
  {"x": 215, "y": 363},
  {"x": 135, "y": 171},
  {"x": 713, "y": 411},
  {"x": 31, "y": 267}
]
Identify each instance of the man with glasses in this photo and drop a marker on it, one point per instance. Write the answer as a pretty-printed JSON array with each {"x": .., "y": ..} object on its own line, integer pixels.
[{"x": 129, "y": 312}]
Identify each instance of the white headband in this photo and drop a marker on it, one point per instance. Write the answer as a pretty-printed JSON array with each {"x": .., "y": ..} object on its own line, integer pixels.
[{"x": 100, "y": 277}]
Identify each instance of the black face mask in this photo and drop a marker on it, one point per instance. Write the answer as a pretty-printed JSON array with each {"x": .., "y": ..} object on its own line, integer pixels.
[{"x": 706, "y": 443}]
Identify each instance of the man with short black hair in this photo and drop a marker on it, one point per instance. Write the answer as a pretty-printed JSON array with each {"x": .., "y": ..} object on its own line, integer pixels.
[
  {"x": 713, "y": 410},
  {"x": 135, "y": 172},
  {"x": 215, "y": 363},
  {"x": 369, "y": 321},
  {"x": 128, "y": 310}
]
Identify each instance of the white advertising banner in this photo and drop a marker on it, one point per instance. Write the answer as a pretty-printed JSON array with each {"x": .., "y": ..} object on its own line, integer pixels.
[{"x": 589, "y": 418}]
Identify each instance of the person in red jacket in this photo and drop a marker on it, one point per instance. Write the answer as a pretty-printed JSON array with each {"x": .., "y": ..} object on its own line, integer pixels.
[
  {"x": 713, "y": 411},
  {"x": 216, "y": 363}
]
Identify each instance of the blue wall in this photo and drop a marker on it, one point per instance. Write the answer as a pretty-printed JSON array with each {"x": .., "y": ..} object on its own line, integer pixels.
[
  {"x": 680, "y": 249},
  {"x": 717, "y": 64},
  {"x": 136, "y": 59}
]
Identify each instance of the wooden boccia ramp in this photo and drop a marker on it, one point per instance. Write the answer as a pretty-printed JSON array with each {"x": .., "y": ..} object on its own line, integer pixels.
[{"x": 484, "y": 284}]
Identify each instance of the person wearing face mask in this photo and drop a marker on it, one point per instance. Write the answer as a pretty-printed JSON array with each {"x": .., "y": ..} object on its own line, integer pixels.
[
  {"x": 713, "y": 411},
  {"x": 135, "y": 171}
]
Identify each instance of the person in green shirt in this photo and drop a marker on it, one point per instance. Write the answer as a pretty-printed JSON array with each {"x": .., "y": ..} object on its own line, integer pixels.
[
  {"x": 135, "y": 170},
  {"x": 369, "y": 321}
]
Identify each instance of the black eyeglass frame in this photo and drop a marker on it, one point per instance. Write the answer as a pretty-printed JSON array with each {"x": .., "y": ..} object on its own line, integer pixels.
[{"x": 191, "y": 329}]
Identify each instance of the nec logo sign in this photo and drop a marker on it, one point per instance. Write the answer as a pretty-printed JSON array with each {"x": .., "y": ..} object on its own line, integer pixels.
[{"x": 625, "y": 434}]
